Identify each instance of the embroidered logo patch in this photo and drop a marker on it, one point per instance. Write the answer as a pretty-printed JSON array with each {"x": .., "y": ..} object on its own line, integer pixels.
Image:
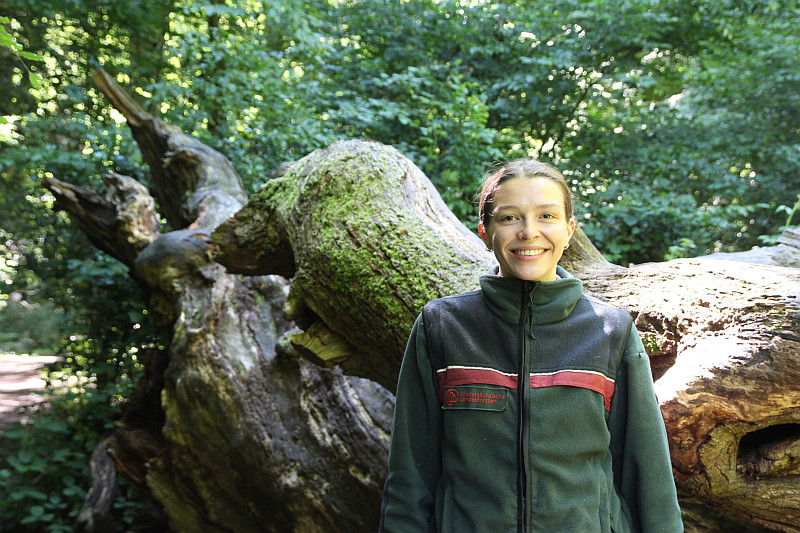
[{"x": 474, "y": 397}]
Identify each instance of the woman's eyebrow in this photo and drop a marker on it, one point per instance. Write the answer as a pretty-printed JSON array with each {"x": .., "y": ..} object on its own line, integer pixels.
[{"x": 548, "y": 205}]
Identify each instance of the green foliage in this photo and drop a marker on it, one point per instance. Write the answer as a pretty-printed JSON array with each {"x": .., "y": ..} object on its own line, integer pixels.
[
  {"x": 30, "y": 328},
  {"x": 632, "y": 225},
  {"x": 622, "y": 94},
  {"x": 8, "y": 41},
  {"x": 674, "y": 121},
  {"x": 44, "y": 471},
  {"x": 44, "y": 467},
  {"x": 43, "y": 464},
  {"x": 790, "y": 212},
  {"x": 229, "y": 81},
  {"x": 57, "y": 293},
  {"x": 587, "y": 86},
  {"x": 715, "y": 160}
]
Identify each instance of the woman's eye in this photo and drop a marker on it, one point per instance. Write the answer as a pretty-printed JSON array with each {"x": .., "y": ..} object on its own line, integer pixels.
[{"x": 508, "y": 218}]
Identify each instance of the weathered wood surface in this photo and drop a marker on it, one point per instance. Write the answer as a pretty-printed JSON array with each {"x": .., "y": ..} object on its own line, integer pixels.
[
  {"x": 725, "y": 338},
  {"x": 252, "y": 437},
  {"x": 257, "y": 438}
]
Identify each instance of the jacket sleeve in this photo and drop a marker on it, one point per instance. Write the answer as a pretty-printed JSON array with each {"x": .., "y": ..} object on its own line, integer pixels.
[
  {"x": 642, "y": 466},
  {"x": 415, "y": 453}
]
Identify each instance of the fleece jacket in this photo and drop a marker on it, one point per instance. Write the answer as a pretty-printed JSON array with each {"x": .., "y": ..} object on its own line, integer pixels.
[{"x": 527, "y": 406}]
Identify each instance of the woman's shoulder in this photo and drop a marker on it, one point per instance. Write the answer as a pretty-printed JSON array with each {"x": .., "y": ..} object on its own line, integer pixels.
[
  {"x": 604, "y": 308},
  {"x": 455, "y": 299}
]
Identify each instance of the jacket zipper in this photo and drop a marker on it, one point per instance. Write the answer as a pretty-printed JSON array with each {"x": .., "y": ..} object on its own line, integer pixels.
[{"x": 523, "y": 410}]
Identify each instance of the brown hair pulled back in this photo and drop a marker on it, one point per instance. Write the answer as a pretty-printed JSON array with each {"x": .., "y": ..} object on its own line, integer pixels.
[{"x": 521, "y": 168}]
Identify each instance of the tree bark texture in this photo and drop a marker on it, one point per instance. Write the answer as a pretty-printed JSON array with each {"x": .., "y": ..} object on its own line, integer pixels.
[
  {"x": 289, "y": 313},
  {"x": 724, "y": 343}
]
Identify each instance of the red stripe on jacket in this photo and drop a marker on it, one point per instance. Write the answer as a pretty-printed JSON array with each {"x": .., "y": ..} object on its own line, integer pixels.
[{"x": 586, "y": 379}]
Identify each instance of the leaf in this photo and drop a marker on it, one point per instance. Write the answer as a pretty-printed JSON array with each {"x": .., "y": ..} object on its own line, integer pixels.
[
  {"x": 7, "y": 40},
  {"x": 35, "y": 80},
  {"x": 31, "y": 56}
]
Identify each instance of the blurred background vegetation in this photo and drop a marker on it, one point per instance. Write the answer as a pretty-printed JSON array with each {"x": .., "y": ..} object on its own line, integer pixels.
[{"x": 677, "y": 123}]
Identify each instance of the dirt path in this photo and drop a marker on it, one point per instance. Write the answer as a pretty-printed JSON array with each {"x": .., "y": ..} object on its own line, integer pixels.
[{"x": 20, "y": 378}]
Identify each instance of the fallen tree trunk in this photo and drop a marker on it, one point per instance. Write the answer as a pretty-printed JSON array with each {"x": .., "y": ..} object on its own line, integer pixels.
[
  {"x": 724, "y": 342},
  {"x": 276, "y": 398}
]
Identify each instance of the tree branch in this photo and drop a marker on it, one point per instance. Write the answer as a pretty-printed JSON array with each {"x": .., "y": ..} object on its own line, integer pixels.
[
  {"x": 122, "y": 224},
  {"x": 195, "y": 185}
]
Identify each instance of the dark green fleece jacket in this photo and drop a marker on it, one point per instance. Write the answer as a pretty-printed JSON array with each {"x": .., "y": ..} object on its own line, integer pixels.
[{"x": 527, "y": 406}]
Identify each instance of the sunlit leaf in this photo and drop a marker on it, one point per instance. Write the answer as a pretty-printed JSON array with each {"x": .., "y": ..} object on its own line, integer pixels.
[
  {"x": 35, "y": 80},
  {"x": 31, "y": 56}
]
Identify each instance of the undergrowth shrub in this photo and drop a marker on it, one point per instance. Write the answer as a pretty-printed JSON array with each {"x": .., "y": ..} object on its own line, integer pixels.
[{"x": 44, "y": 461}]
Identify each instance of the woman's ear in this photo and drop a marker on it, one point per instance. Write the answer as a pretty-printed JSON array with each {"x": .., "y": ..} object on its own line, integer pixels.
[
  {"x": 484, "y": 236},
  {"x": 572, "y": 224}
]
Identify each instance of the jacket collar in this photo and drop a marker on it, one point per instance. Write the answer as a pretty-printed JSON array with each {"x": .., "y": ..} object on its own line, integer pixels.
[{"x": 550, "y": 301}]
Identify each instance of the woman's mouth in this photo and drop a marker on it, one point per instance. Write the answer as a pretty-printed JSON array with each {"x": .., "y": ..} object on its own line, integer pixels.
[{"x": 528, "y": 252}]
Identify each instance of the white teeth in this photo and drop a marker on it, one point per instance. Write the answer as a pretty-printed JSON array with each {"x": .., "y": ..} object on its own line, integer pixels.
[{"x": 529, "y": 252}]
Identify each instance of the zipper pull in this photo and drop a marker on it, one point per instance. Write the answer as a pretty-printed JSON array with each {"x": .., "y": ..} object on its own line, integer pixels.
[{"x": 530, "y": 290}]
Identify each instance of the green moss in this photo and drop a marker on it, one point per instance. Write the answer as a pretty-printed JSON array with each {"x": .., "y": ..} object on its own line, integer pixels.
[
  {"x": 653, "y": 344},
  {"x": 356, "y": 236}
]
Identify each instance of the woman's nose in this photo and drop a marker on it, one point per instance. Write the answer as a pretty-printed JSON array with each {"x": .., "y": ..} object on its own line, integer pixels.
[{"x": 528, "y": 230}]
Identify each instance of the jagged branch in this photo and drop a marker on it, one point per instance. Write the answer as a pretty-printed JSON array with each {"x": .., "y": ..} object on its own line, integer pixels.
[
  {"x": 122, "y": 224},
  {"x": 195, "y": 185}
]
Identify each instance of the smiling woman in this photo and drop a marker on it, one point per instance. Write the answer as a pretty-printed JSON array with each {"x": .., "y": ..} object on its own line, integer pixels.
[
  {"x": 556, "y": 384},
  {"x": 528, "y": 228}
]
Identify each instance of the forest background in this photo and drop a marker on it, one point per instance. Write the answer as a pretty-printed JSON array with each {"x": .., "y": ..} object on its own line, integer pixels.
[{"x": 677, "y": 124}]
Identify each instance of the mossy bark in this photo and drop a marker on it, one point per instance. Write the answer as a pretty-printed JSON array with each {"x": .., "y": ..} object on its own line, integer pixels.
[{"x": 367, "y": 242}]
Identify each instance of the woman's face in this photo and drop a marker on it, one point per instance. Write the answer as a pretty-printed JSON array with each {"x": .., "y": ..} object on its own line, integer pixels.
[{"x": 528, "y": 228}]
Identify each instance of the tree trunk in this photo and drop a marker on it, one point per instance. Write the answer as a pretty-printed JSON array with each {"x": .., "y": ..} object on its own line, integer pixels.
[{"x": 276, "y": 397}]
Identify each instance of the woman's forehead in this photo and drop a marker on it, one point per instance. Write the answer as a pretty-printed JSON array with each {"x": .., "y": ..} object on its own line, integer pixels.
[{"x": 536, "y": 190}]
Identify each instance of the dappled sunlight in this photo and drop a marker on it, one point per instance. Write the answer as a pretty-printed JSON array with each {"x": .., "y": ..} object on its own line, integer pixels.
[{"x": 21, "y": 381}]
